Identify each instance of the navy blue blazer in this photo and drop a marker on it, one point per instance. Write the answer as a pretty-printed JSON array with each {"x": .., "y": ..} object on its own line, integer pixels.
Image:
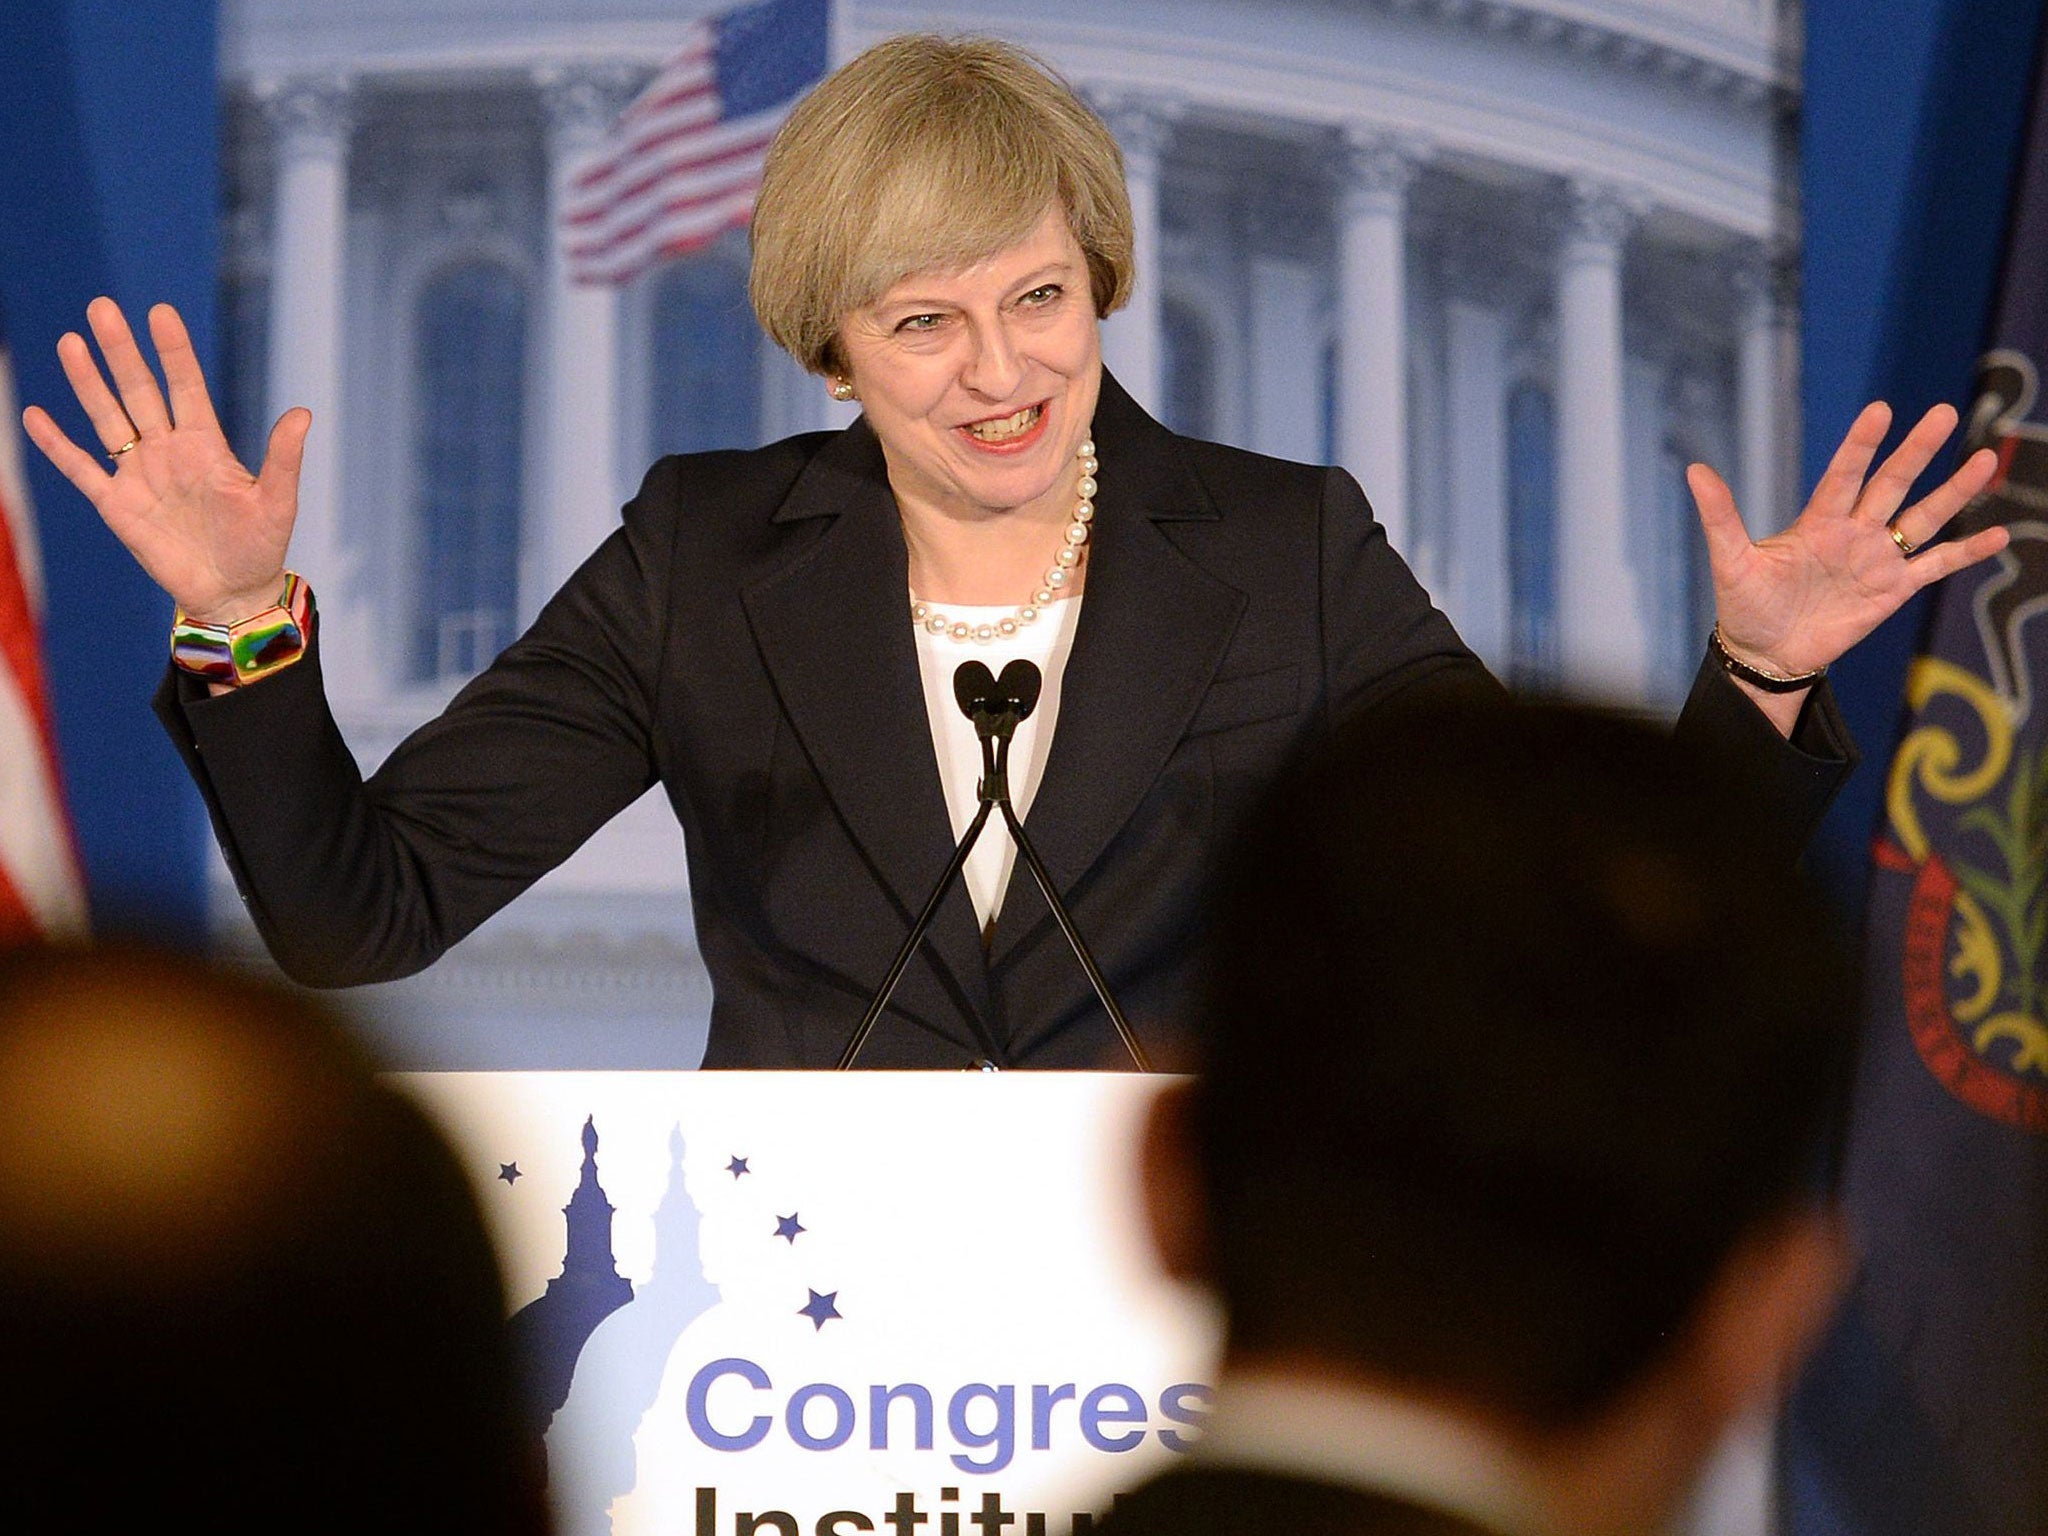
[{"x": 743, "y": 639}]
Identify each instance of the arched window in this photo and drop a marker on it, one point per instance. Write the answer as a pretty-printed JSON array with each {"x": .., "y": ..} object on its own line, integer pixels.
[
  {"x": 1190, "y": 370},
  {"x": 704, "y": 389},
  {"x": 470, "y": 363},
  {"x": 1532, "y": 537}
]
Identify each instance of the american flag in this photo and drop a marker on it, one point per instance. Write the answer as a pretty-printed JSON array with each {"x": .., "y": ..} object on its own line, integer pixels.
[
  {"x": 42, "y": 893},
  {"x": 684, "y": 161}
]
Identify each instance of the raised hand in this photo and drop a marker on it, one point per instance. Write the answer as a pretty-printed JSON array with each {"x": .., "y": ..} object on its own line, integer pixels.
[
  {"x": 207, "y": 531},
  {"x": 1796, "y": 601}
]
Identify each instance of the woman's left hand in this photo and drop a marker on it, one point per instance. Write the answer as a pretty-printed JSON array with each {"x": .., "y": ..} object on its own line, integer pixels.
[{"x": 1794, "y": 602}]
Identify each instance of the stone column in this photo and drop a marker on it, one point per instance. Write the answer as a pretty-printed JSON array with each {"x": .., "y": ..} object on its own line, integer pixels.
[
  {"x": 1132, "y": 345},
  {"x": 1766, "y": 384},
  {"x": 1479, "y": 596},
  {"x": 310, "y": 121},
  {"x": 578, "y": 477},
  {"x": 1372, "y": 340},
  {"x": 1604, "y": 644}
]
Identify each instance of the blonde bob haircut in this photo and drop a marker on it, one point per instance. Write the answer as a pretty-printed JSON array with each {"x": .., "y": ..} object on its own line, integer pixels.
[{"x": 926, "y": 153}]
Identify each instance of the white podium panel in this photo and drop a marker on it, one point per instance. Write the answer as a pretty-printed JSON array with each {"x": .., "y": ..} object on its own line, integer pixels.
[{"x": 803, "y": 1303}]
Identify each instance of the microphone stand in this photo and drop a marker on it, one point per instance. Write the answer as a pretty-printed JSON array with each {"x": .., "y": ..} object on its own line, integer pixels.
[
  {"x": 996, "y": 761},
  {"x": 996, "y": 711},
  {"x": 909, "y": 948}
]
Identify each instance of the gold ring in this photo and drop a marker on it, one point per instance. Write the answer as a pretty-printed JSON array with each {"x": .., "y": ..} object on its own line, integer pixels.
[
  {"x": 115, "y": 453},
  {"x": 1899, "y": 539}
]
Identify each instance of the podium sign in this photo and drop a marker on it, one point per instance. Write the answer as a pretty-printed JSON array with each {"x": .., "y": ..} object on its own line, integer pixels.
[{"x": 801, "y": 1303}]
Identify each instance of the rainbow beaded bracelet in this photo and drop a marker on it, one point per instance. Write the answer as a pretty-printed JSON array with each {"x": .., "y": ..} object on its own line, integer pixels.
[{"x": 234, "y": 654}]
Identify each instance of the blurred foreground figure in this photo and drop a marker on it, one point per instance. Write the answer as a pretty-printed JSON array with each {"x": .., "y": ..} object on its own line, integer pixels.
[
  {"x": 1525, "y": 1054},
  {"x": 241, "y": 1283}
]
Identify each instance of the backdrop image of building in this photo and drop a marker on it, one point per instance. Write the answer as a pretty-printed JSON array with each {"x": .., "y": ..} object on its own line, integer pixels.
[{"x": 1514, "y": 263}]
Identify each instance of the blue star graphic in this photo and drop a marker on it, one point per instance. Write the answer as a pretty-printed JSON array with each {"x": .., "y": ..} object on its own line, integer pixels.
[
  {"x": 820, "y": 1309},
  {"x": 509, "y": 1172},
  {"x": 788, "y": 1226},
  {"x": 737, "y": 1167}
]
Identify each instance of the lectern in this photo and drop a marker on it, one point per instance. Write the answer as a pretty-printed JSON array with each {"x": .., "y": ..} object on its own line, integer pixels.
[{"x": 799, "y": 1303}]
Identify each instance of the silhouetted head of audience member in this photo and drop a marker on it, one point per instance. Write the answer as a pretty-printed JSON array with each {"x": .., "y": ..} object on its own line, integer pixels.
[
  {"x": 241, "y": 1281},
  {"x": 1525, "y": 1050}
]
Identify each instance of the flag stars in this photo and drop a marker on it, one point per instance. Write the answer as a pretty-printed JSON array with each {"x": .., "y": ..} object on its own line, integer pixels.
[
  {"x": 788, "y": 1227},
  {"x": 509, "y": 1172},
  {"x": 820, "y": 1309},
  {"x": 737, "y": 1167}
]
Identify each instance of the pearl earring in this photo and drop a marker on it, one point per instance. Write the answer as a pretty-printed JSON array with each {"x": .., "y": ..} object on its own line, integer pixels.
[{"x": 842, "y": 390}]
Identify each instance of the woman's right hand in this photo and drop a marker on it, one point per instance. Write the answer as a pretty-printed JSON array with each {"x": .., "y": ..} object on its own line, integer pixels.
[{"x": 210, "y": 533}]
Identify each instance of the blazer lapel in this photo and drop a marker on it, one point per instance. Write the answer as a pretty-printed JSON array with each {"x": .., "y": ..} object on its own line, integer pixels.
[
  {"x": 833, "y": 626},
  {"x": 1152, "y": 631}
]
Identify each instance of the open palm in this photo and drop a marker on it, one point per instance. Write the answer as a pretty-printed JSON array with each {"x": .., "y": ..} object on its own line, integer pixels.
[
  {"x": 1794, "y": 602},
  {"x": 208, "y": 532}
]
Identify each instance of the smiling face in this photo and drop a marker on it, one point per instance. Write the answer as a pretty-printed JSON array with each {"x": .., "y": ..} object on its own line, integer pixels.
[{"x": 981, "y": 383}]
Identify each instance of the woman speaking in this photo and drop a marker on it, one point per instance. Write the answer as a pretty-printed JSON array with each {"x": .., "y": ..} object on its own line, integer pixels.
[{"x": 772, "y": 635}]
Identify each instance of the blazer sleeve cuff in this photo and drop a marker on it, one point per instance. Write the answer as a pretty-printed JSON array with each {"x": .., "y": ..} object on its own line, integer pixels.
[
  {"x": 1792, "y": 782},
  {"x": 254, "y": 752}
]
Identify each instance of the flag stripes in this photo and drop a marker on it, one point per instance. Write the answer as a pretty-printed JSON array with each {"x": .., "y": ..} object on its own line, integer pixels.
[
  {"x": 42, "y": 893},
  {"x": 683, "y": 163}
]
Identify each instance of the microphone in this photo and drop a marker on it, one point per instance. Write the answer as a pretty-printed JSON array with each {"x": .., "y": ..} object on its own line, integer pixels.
[
  {"x": 974, "y": 687},
  {"x": 996, "y": 705},
  {"x": 1001, "y": 703}
]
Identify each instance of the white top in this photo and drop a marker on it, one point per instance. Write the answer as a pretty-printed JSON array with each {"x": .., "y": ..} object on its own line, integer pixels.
[
  {"x": 1046, "y": 645},
  {"x": 1368, "y": 1440}
]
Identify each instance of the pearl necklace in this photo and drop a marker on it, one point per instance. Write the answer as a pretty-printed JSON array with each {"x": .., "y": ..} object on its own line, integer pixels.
[{"x": 1057, "y": 576}]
